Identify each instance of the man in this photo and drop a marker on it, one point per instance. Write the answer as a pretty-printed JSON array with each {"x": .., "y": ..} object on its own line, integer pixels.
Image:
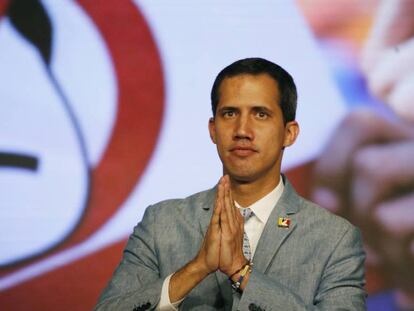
[{"x": 193, "y": 253}]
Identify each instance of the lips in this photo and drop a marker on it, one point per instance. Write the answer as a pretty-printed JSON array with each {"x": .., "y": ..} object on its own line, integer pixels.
[{"x": 243, "y": 151}]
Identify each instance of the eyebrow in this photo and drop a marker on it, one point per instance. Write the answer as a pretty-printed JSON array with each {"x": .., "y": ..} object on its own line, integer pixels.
[
  {"x": 254, "y": 108},
  {"x": 262, "y": 108},
  {"x": 227, "y": 108}
]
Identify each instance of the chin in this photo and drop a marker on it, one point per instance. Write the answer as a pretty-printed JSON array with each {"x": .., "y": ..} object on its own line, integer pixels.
[
  {"x": 248, "y": 174},
  {"x": 242, "y": 177}
]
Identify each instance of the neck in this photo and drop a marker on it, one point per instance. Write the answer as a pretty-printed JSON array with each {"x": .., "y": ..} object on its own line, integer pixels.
[{"x": 246, "y": 193}]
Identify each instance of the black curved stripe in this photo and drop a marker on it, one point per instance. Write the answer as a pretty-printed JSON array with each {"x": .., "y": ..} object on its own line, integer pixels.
[
  {"x": 31, "y": 20},
  {"x": 16, "y": 160}
]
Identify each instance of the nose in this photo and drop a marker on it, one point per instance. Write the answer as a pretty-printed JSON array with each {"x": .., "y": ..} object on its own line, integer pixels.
[{"x": 243, "y": 129}]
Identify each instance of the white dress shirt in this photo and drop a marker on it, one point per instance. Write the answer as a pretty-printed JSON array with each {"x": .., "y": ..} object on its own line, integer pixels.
[{"x": 253, "y": 227}]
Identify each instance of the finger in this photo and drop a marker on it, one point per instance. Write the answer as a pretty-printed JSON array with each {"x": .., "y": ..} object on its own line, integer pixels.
[
  {"x": 332, "y": 172},
  {"x": 396, "y": 218},
  {"x": 392, "y": 25},
  {"x": 224, "y": 215},
  {"x": 237, "y": 215},
  {"x": 401, "y": 98},
  {"x": 396, "y": 228},
  {"x": 229, "y": 208},
  {"x": 381, "y": 172},
  {"x": 229, "y": 200},
  {"x": 224, "y": 223},
  {"x": 215, "y": 218},
  {"x": 373, "y": 259},
  {"x": 393, "y": 65},
  {"x": 328, "y": 198}
]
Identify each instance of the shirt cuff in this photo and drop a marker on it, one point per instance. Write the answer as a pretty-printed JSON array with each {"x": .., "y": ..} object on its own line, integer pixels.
[{"x": 165, "y": 303}]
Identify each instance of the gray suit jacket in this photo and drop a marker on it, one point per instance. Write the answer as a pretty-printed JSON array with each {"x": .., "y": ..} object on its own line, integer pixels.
[{"x": 315, "y": 264}]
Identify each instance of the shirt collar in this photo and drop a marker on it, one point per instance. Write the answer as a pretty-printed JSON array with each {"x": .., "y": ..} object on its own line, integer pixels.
[{"x": 263, "y": 207}]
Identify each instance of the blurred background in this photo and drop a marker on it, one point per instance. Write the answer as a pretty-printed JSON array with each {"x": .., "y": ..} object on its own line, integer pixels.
[{"x": 104, "y": 107}]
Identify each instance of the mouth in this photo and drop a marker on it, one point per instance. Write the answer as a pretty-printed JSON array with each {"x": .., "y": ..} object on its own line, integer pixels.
[{"x": 243, "y": 151}]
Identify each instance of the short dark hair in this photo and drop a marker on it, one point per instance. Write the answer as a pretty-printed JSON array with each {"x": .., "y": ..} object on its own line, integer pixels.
[{"x": 257, "y": 66}]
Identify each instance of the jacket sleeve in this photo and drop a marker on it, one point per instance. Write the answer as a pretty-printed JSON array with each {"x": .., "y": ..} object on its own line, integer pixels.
[
  {"x": 136, "y": 283},
  {"x": 341, "y": 286}
]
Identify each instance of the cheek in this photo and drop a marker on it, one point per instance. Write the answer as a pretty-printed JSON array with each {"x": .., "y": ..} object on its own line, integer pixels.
[
  {"x": 220, "y": 144},
  {"x": 223, "y": 136},
  {"x": 273, "y": 137}
]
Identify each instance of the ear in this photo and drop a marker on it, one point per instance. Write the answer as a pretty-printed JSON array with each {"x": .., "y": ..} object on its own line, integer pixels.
[
  {"x": 291, "y": 133},
  {"x": 212, "y": 129}
]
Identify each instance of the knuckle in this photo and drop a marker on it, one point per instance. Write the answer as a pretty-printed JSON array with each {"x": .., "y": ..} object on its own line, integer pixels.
[
  {"x": 393, "y": 218},
  {"x": 368, "y": 164},
  {"x": 360, "y": 120},
  {"x": 227, "y": 238}
]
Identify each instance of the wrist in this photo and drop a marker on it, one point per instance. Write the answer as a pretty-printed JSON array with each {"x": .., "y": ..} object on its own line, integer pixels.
[
  {"x": 236, "y": 272},
  {"x": 198, "y": 267},
  {"x": 239, "y": 278},
  {"x": 237, "y": 267},
  {"x": 184, "y": 280}
]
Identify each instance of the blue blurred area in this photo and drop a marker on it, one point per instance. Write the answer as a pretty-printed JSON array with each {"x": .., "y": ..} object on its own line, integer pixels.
[
  {"x": 384, "y": 301},
  {"x": 348, "y": 77}
]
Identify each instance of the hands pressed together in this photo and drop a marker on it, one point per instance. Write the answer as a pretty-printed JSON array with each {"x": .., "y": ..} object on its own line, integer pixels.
[
  {"x": 366, "y": 173},
  {"x": 222, "y": 247}
]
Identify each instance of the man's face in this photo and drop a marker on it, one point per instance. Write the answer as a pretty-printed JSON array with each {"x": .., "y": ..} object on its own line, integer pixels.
[{"x": 248, "y": 128}]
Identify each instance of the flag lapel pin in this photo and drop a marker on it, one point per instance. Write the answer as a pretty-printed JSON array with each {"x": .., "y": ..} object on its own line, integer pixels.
[{"x": 283, "y": 222}]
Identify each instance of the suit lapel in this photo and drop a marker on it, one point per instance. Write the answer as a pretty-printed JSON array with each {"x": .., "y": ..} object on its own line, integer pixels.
[
  {"x": 206, "y": 211},
  {"x": 274, "y": 235}
]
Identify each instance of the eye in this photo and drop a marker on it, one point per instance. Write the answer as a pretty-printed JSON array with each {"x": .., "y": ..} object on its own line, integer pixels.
[
  {"x": 229, "y": 113},
  {"x": 262, "y": 114}
]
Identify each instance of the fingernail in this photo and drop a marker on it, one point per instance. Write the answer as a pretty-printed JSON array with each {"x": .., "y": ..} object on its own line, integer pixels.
[{"x": 326, "y": 199}]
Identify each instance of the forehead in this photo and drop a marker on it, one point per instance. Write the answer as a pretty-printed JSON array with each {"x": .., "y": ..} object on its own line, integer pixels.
[{"x": 259, "y": 89}]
